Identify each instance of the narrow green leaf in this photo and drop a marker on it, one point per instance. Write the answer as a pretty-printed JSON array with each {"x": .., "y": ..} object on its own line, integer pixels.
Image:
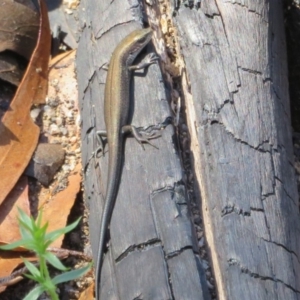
[
  {"x": 23, "y": 217},
  {"x": 25, "y": 243},
  {"x": 26, "y": 221},
  {"x": 39, "y": 218},
  {"x": 71, "y": 275},
  {"x": 32, "y": 268},
  {"x": 44, "y": 228},
  {"x": 35, "y": 293},
  {"x": 54, "y": 261},
  {"x": 29, "y": 244},
  {"x": 49, "y": 287},
  {"x": 53, "y": 235},
  {"x": 39, "y": 235},
  {"x": 48, "y": 243},
  {"x": 25, "y": 233},
  {"x": 31, "y": 277},
  {"x": 12, "y": 245},
  {"x": 38, "y": 280}
]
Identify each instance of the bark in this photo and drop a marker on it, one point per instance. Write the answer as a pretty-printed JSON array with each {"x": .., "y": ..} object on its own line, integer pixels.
[
  {"x": 239, "y": 120},
  {"x": 231, "y": 76},
  {"x": 153, "y": 251}
]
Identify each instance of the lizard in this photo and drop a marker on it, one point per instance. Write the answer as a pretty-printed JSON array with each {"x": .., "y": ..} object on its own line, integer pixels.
[{"x": 116, "y": 114}]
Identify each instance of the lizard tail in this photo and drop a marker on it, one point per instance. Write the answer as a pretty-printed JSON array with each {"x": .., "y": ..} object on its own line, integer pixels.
[{"x": 114, "y": 174}]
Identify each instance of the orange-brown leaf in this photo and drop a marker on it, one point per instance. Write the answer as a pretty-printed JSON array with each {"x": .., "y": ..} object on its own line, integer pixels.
[
  {"x": 88, "y": 293},
  {"x": 56, "y": 211},
  {"x": 17, "y": 198},
  {"x": 18, "y": 133},
  {"x": 8, "y": 262}
]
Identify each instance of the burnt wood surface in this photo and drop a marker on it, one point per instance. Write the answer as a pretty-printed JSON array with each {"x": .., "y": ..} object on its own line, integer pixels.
[
  {"x": 235, "y": 91},
  {"x": 239, "y": 120},
  {"x": 152, "y": 251}
]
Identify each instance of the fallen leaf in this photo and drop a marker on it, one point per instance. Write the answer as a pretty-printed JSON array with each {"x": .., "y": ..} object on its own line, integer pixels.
[
  {"x": 57, "y": 210},
  {"x": 19, "y": 28},
  {"x": 9, "y": 261},
  {"x": 88, "y": 293},
  {"x": 17, "y": 198},
  {"x": 11, "y": 68},
  {"x": 18, "y": 133}
]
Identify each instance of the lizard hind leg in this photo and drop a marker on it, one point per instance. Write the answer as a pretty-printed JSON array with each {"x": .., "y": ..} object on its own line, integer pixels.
[
  {"x": 99, "y": 135},
  {"x": 141, "y": 138}
]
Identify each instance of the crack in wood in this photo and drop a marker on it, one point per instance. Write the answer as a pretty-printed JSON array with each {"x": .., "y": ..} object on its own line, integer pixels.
[
  {"x": 178, "y": 252},
  {"x": 235, "y": 262},
  {"x": 140, "y": 247},
  {"x": 284, "y": 247}
]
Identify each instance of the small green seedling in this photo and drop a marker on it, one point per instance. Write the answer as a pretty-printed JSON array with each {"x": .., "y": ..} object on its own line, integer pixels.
[{"x": 35, "y": 238}]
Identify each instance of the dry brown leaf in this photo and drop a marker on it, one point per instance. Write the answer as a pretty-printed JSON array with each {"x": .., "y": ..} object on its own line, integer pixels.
[
  {"x": 18, "y": 133},
  {"x": 61, "y": 58},
  {"x": 19, "y": 28},
  {"x": 17, "y": 198},
  {"x": 88, "y": 293},
  {"x": 9, "y": 261},
  {"x": 11, "y": 68},
  {"x": 56, "y": 211}
]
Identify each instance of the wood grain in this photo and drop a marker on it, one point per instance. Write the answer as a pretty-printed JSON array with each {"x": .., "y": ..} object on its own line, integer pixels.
[
  {"x": 239, "y": 119},
  {"x": 151, "y": 235}
]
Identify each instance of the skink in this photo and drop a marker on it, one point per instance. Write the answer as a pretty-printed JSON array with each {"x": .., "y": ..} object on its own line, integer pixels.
[{"x": 116, "y": 110}]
